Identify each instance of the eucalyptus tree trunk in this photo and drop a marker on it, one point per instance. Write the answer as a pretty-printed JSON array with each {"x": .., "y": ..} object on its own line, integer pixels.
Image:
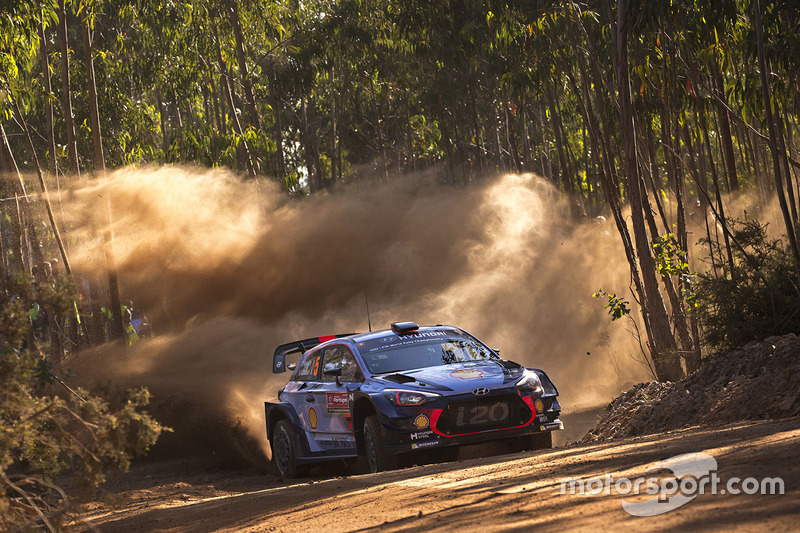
[
  {"x": 309, "y": 146},
  {"x": 511, "y": 139},
  {"x": 765, "y": 91},
  {"x": 94, "y": 112},
  {"x": 250, "y": 98},
  {"x": 66, "y": 90},
  {"x": 785, "y": 163},
  {"x": 278, "y": 136},
  {"x": 214, "y": 95},
  {"x": 45, "y": 196},
  {"x": 478, "y": 131},
  {"x": 381, "y": 142},
  {"x": 446, "y": 140},
  {"x": 117, "y": 327},
  {"x": 663, "y": 345},
  {"x": 411, "y": 163},
  {"x": 162, "y": 123},
  {"x": 526, "y": 141},
  {"x": 9, "y": 173},
  {"x": 724, "y": 127},
  {"x": 226, "y": 87},
  {"x": 334, "y": 128},
  {"x": 48, "y": 110},
  {"x": 715, "y": 178},
  {"x": 566, "y": 182},
  {"x": 222, "y": 97}
]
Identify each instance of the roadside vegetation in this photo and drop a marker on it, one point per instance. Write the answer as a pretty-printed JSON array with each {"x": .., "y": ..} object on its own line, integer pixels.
[{"x": 51, "y": 435}]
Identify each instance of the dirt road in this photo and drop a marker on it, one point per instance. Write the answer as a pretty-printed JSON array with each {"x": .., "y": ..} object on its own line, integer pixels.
[{"x": 501, "y": 493}]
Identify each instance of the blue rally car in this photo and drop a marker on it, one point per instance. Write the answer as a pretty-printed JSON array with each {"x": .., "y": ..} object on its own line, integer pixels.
[{"x": 402, "y": 390}]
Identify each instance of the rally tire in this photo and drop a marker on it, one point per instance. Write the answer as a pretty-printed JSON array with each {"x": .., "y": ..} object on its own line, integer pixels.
[
  {"x": 378, "y": 459},
  {"x": 537, "y": 441},
  {"x": 284, "y": 454}
]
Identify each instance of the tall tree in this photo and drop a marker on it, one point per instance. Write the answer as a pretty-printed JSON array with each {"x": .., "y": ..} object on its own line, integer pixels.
[
  {"x": 66, "y": 90},
  {"x": 118, "y": 328},
  {"x": 664, "y": 348}
]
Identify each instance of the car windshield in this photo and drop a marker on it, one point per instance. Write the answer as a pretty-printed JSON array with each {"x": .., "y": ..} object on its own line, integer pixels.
[{"x": 425, "y": 354}]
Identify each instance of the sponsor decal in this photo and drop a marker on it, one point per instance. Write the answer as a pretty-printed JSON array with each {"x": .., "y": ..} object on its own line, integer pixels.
[
  {"x": 335, "y": 442},
  {"x": 312, "y": 417},
  {"x": 539, "y": 404},
  {"x": 338, "y": 402},
  {"x": 418, "y": 335},
  {"x": 421, "y": 421},
  {"x": 426, "y": 444},
  {"x": 467, "y": 373},
  {"x": 393, "y": 341},
  {"x": 420, "y": 435}
]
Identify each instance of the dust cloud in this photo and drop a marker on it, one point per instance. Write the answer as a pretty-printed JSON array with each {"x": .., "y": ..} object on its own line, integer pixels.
[{"x": 227, "y": 269}]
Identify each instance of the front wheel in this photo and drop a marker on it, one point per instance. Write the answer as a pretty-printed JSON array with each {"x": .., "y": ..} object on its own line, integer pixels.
[
  {"x": 378, "y": 458},
  {"x": 283, "y": 451}
]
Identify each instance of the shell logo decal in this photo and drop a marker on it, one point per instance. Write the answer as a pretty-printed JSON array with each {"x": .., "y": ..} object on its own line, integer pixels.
[
  {"x": 467, "y": 374},
  {"x": 312, "y": 417},
  {"x": 539, "y": 405},
  {"x": 421, "y": 422}
]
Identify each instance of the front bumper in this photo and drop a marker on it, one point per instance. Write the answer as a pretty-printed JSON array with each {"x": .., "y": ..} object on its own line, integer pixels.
[{"x": 465, "y": 419}]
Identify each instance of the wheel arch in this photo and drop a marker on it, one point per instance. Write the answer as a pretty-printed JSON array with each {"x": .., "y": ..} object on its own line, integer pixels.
[
  {"x": 362, "y": 408},
  {"x": 274, "y": 413}
]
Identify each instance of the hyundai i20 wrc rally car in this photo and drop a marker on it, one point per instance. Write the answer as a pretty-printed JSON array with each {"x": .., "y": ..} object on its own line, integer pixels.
[{"x": 402, "y": 390}]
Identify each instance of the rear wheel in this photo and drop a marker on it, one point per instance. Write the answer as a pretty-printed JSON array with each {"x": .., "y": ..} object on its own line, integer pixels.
[
  {"x": 537, "y": 441},
  {"x": 283, "y": 451},
  {"x": 378, "y": 458}
]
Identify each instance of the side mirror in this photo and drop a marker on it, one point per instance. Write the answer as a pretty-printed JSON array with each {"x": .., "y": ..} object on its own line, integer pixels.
[
  {"x": 336, "y": 372},
  {"x": 292, "y": 366},
  {"x": 496, "y": 350}
]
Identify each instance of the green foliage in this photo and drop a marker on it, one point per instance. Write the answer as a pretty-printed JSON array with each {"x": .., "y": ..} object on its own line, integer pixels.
[
  {"x": 617, "y": 307},
  {"x": 49, "y": 429},
  {"x": 671, "y": 260},
  {"x": 755, "y": 298}
]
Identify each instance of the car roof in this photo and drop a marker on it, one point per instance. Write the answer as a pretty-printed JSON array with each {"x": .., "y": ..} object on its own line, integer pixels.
[{"x": 372, "y": 335}]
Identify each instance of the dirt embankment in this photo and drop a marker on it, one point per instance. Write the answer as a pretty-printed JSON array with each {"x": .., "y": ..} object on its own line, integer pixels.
[{"x": 759, "y": 381}]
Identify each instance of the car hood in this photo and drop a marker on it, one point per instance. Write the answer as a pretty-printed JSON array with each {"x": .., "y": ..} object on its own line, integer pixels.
[{"x": 459, "y": 376}]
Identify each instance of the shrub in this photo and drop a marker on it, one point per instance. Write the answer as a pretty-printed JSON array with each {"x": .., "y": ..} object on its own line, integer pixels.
[
  {"x": 47, "y": 428},
  {"x": 755, "y": 298}
]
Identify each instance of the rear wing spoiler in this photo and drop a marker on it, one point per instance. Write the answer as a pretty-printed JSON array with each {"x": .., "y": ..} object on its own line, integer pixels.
[{"x": 279, "y": 359}]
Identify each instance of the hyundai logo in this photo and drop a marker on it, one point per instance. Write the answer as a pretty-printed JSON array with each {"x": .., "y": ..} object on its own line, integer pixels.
[{"x": 480, "y": 391}]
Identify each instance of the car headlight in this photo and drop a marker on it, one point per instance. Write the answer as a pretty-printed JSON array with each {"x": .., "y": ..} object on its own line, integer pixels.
[
  {"x": 530, "y": 383},
  {"x": 405, "y": 398}
]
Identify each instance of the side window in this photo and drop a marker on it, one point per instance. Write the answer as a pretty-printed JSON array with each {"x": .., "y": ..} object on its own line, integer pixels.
[
  {"x": 308, "y": 368},
  {"x": 341, "y": 357}
]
